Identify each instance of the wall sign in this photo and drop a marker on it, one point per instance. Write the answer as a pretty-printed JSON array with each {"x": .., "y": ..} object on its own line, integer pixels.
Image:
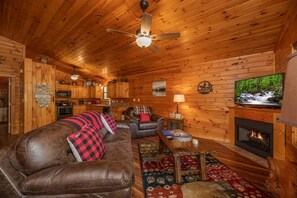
[
  {"x": 43, "y": 95},
  {"x": 204, "y": 87}
]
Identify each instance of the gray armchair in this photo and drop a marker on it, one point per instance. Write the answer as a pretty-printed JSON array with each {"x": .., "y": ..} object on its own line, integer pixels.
[{"x": 142, "y": 129}]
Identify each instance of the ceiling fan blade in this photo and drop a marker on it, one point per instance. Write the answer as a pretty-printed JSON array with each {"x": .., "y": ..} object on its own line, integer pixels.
[
  {"x": 146, "y": 22},
  {"x": 128, "y": 46},
  {"x": 170, "y": 35},
  {"x": 154, "y": 47},
  {"x": 120, "y": 32}
]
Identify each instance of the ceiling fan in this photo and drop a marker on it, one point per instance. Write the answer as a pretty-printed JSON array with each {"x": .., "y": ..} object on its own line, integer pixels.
[{"x": 143, "y": 35}]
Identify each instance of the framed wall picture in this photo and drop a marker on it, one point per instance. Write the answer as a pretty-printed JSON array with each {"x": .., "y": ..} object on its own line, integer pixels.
[{"x": 159, "y": 88}]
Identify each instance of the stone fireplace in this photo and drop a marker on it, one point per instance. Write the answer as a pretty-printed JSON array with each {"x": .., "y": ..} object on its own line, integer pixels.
[{"x": 254, "y": 136}]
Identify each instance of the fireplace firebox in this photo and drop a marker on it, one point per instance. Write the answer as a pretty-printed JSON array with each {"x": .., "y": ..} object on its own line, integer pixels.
[{"x": 254, "y": 136}]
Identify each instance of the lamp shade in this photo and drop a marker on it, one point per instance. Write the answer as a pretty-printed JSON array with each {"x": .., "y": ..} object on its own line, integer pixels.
[
  {"x": 179, "y": 98},
  {"x": 143, "y": 41},
  {"x": 289, "y": 107}
]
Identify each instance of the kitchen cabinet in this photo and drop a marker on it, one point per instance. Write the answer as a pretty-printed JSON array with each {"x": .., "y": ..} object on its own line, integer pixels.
[
  {"x": 86, "y": 92},
  {"x": 79, "y": 92},
  {"x": 75, "y": 92},
  {"x": 63, "y": 87},
  {"x": 118, "y": 90},
  {"x": 111, "y": 90},
  {"x": 94, "y": 92},
  {"x": 98, "y": 92},
  {"x": 77, "y": 109},
  {"x": 83, "y": 92}
]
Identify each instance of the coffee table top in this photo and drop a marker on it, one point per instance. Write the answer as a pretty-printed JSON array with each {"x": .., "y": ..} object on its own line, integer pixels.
[{"x": 183, "y": 148}]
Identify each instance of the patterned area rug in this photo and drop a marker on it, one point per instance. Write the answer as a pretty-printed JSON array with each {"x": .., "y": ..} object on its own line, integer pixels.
[{"x": 159, "y": 181}]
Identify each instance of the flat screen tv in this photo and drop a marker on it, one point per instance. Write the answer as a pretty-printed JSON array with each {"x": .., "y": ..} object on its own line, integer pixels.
[{"x": 266, "y": 91}]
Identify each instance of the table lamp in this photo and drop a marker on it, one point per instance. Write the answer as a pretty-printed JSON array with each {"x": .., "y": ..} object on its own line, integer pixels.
[{"x": 178, "y": 98}]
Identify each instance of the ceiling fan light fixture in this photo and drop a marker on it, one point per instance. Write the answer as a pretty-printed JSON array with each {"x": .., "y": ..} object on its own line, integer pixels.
[
  {"x": 74, "y": 76},
  {"x": 143, "y": 41}
]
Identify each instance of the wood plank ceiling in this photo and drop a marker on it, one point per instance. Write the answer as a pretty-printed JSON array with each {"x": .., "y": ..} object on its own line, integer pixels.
[{"x": 73, "y": 32}]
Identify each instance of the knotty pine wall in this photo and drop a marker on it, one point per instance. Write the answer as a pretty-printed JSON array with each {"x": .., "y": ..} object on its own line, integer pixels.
[
  {"x": 12, "y": 55},
  {"x": 283, "y": 49},
  {"x": 206, "y": 116},
  {"x": 287, "y": 38},
  {"x": 38, "y": 73}
]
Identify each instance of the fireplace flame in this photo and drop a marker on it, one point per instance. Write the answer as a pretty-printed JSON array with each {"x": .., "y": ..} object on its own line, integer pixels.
[
  {"x": 254, "y": 134},
  {"x": 257, "y": 135}
]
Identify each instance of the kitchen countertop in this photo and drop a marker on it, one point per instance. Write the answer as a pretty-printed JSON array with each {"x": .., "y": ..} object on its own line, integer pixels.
[{"x": 102, "y": 105}]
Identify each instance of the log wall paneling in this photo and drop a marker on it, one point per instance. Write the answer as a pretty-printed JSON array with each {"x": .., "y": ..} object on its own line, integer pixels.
[
  {"x": 206, "y": 116},
  {"x": 12, "y": 55},
  {"x": 283, "y": 49},
  {"x": 288, "y": 36},
  {"x": 38, "y": 73}
]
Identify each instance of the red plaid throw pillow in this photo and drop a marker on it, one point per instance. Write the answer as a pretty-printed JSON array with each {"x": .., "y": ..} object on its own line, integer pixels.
[
  {"x": 77, "y": 121},
  {"x": 86, "y": 145},
  {"x": 94, "y": 118},
  {"x": 109, "y": 123}
]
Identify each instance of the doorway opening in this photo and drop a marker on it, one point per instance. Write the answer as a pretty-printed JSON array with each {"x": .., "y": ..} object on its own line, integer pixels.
[{"x": 4, "y": 105}]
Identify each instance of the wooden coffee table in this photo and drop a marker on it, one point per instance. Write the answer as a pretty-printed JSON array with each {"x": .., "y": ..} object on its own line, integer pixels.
[{"x": 178, "y": 149}]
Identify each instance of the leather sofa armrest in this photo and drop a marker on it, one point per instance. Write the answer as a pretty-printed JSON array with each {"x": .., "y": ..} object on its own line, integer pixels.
[
  {"x": 80, "y": 177},
  {"x": 122, "y": 124},
  {"x": 157, "y": 118},
  {"x": 131, "y": 119}
]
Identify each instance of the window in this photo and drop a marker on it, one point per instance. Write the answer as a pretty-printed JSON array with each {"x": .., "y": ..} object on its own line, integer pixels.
[{"x": 104, "y": 92}]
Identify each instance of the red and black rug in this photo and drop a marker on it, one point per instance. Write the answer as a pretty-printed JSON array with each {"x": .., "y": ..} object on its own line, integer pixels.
[{"x": 158, "y": 177}]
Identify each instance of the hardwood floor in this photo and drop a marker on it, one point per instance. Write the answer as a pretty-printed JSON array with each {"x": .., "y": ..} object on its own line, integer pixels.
[{"x": 251, "y": 171}]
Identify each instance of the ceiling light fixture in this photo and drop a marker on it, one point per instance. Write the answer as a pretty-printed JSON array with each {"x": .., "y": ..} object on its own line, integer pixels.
[
  {"x": 143, "y": 41},
  {"x": 74, "y": 76}
]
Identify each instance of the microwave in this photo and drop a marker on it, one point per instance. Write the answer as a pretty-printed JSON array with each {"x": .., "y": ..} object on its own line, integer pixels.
[{"x": 63, "y": 94}]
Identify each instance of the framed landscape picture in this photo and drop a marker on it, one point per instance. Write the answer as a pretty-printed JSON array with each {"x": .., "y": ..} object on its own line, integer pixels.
[{"x": 159, "y": 88}]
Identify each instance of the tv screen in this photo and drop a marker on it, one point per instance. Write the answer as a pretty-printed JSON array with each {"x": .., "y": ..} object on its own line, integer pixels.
[{"x": 262, "y": 91}]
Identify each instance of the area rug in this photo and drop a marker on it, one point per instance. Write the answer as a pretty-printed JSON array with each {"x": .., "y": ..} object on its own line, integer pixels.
[{"x": 159, "y": 181}]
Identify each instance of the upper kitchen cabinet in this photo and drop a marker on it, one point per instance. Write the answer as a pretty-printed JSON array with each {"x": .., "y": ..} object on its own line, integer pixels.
[
  {"x": 79, "y": 92},
  {"x": 63, "y": 87},
  {"x": 94, "y": 92},
  {"x": 118, "y": 89}
]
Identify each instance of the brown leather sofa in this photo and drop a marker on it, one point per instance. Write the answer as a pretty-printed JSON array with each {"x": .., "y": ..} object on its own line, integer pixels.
[
  {"x": 142, "y": 129},
  {"x": 41, "y": 164}
]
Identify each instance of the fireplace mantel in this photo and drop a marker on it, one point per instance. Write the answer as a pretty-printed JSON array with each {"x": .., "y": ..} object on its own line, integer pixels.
[{"x": 263, "y": 115}]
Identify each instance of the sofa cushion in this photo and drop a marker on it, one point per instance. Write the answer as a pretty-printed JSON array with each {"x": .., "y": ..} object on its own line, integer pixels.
[
  {"x": 79, "y": 177},
  {"x": 94, "y": 118},
  {"x": 144, "y": 117},
  {"x": 42, "y": 148},
  {"x": 122, "y": 135},
  {"x": 86, "y": 144},
  {"x": 148, "y": 125},
  {"x": 119, "y": 152},
  {"x": 77, "y": 121},
  {"x": 109, "y": 123}
]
